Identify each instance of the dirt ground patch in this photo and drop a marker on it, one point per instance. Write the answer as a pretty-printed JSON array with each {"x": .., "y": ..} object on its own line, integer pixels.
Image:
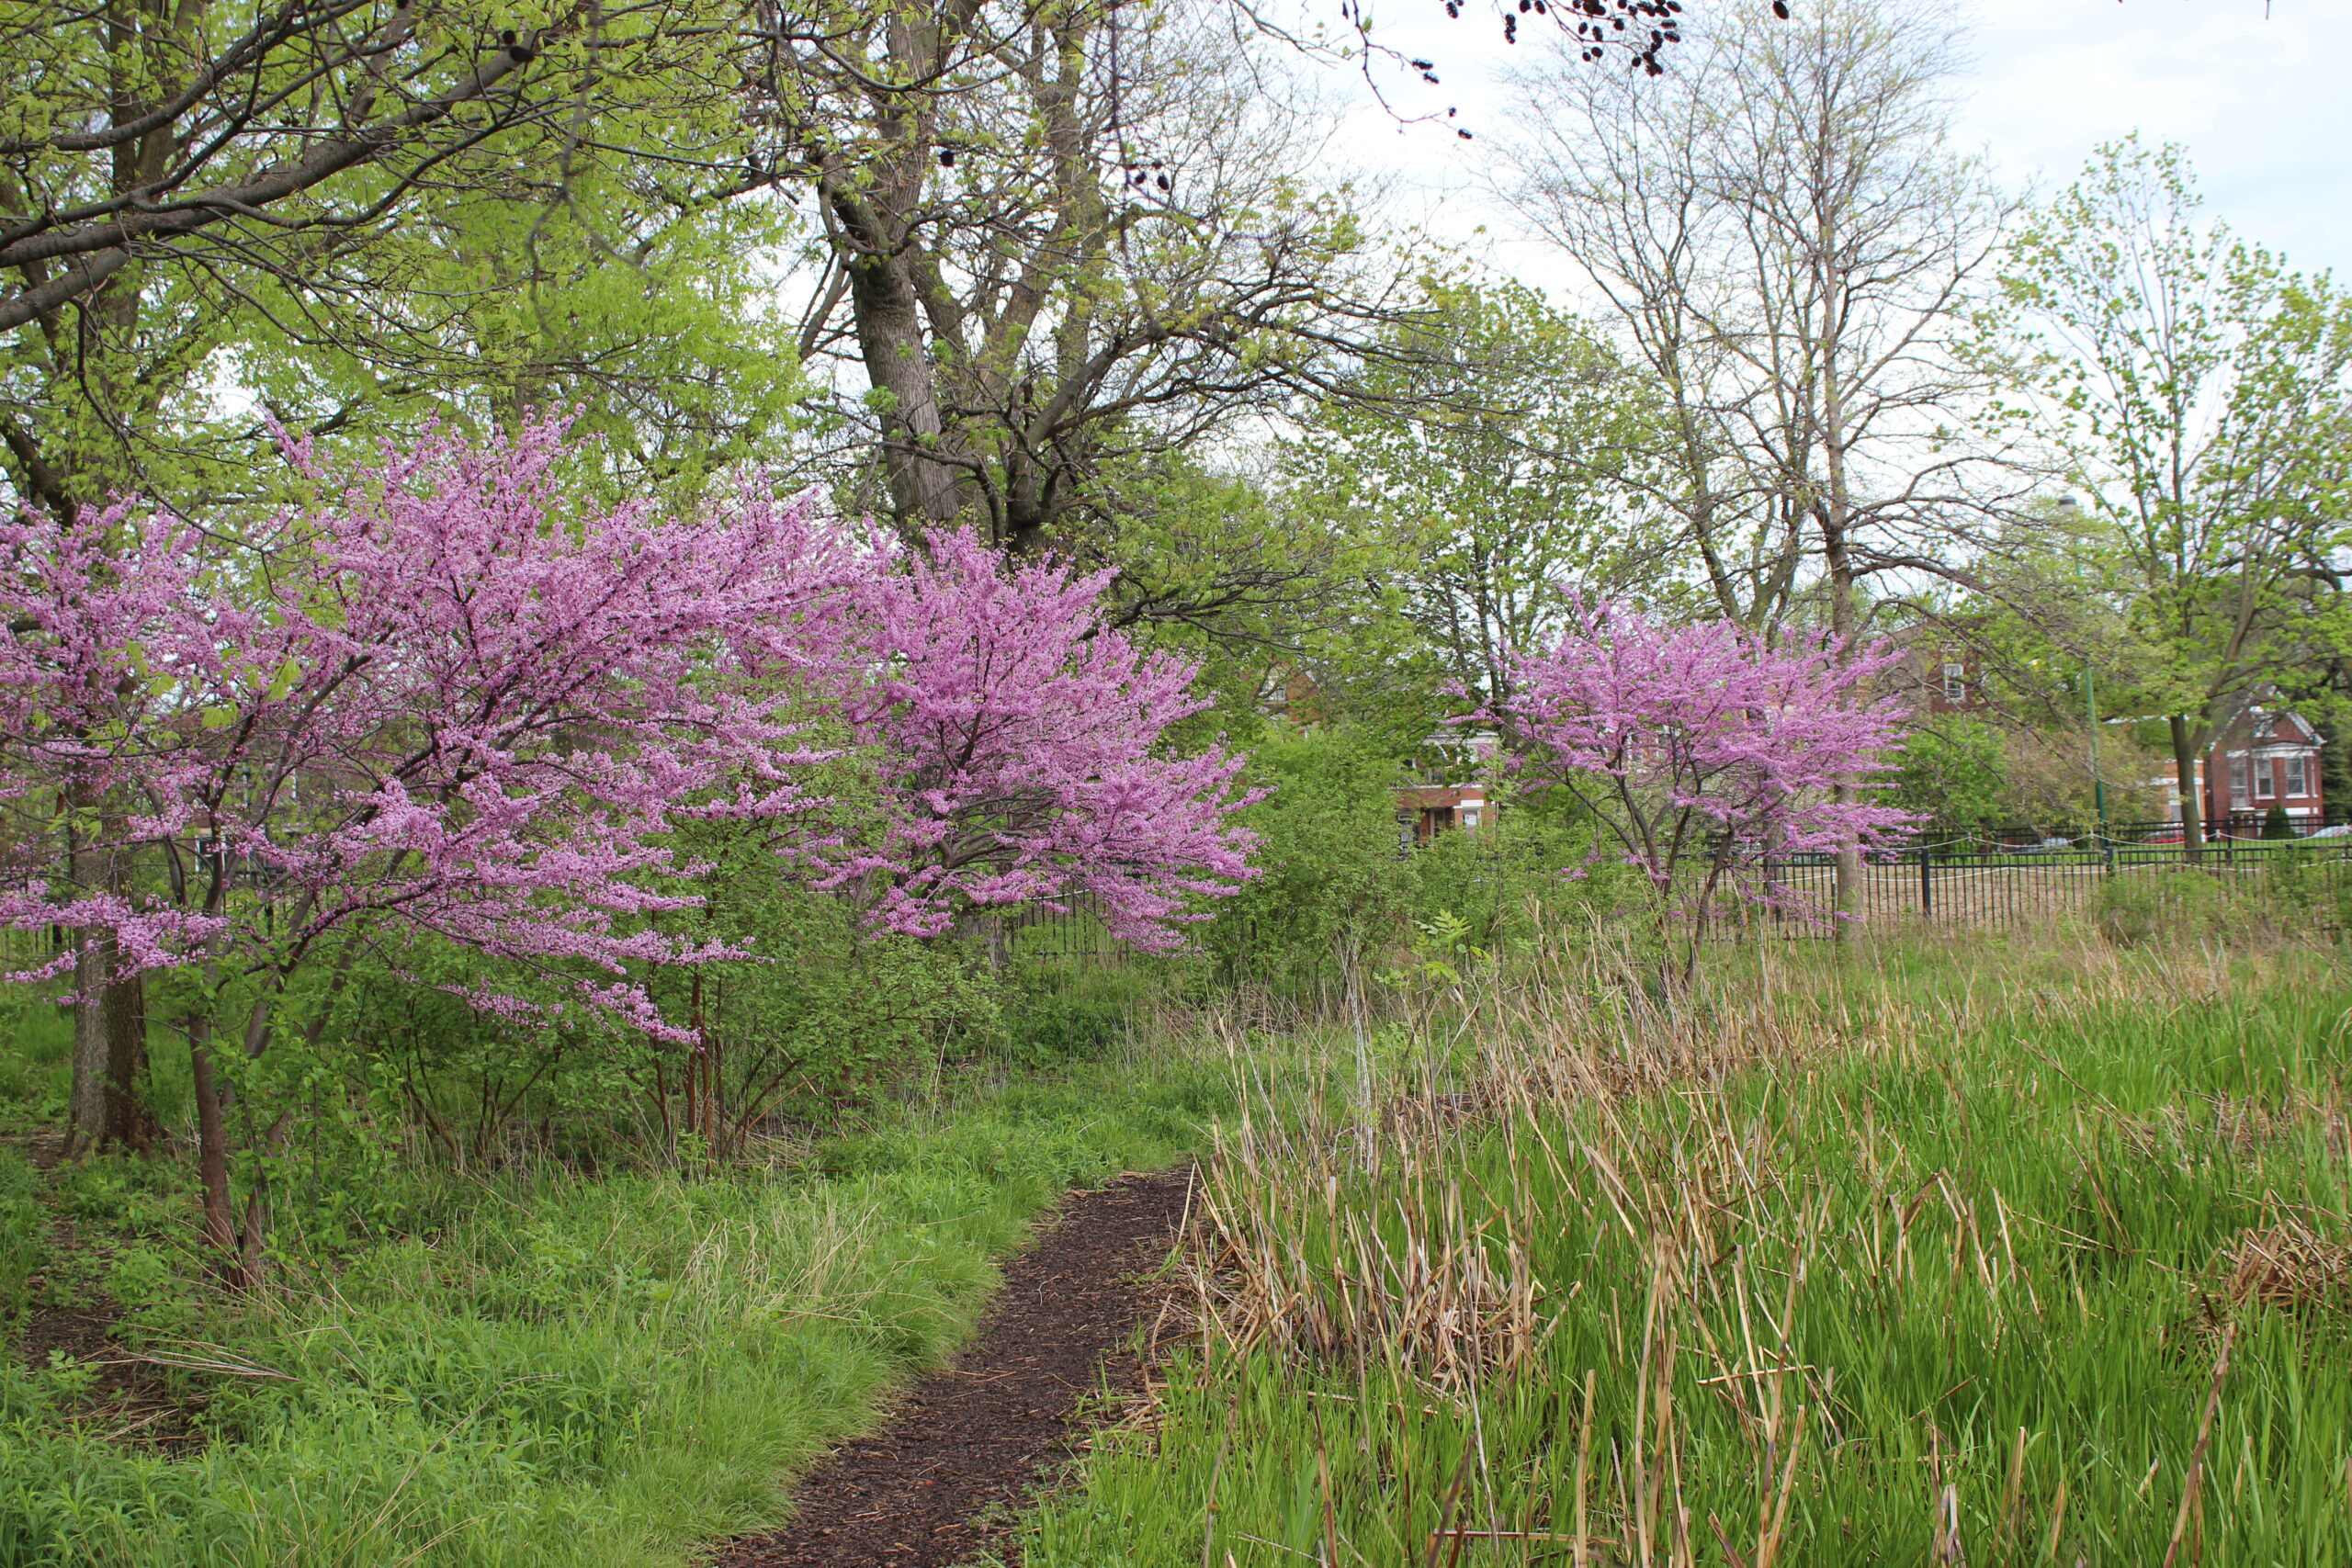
[
  {"x": 129, "y": 1400},
  {"x": 944, "y": 1475}
]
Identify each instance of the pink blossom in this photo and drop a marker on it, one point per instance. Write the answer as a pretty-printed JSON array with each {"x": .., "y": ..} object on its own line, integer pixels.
[
  {"x": 444, "y": 700},
  {"x": 1705, "y": 746},
  {"x": 1016, "y": 740}
]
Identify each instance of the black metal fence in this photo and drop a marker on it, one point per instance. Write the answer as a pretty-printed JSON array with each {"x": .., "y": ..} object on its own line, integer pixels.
[
  {"x": 1071, "y": 938},
  {"x": 1979, "y": 876},
  {"x": 2017, "y": 876}
]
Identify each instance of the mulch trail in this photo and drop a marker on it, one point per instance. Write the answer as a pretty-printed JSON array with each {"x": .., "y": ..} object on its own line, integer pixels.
[{"x": 941, "y": 1478}]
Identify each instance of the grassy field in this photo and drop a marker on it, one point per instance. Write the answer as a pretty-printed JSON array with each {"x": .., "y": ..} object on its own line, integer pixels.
[
  {"x": 2027, "y": 1250},
  {"x": 547, "y": 1368},
  {"x": 2034, "y": 1254}
]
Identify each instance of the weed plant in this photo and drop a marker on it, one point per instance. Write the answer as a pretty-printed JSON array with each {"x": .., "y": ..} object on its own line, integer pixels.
[{"x": 2038, "y": 1253}]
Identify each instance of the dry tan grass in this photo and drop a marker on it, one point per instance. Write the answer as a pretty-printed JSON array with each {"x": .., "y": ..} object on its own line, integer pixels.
[
  {"x": 2242, "y": 1128},
  {"x": 2289, "y": 1266},
  {"x": 1434, "y": 1286},
  {"x": 1286, "y": 1252}
]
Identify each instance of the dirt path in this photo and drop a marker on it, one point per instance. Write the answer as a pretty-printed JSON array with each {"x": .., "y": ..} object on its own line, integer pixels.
[{"x": 944, "y": 1475}]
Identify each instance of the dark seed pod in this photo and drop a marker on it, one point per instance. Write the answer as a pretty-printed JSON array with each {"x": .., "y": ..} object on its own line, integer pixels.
[
  {"x": 1780, "y": 9},
  {"x": 947, "y": 157}
]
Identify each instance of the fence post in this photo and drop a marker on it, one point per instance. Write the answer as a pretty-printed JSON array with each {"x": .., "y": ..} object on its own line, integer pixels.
[{"x": 1927, "y": 883}]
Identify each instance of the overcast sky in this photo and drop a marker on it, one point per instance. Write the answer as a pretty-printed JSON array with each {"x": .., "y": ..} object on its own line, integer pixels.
[{"x": 2262, "y": 103}]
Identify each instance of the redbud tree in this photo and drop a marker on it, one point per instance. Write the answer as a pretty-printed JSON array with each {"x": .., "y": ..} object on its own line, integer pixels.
[
  {"x": 1700, "y": 750},
  {"x": 1015, "y": 741},
  {"x": 441, "y": 704},
  {"x": 445, "y": 703}
]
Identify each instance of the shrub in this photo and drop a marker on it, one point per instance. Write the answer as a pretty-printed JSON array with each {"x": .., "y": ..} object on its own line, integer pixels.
[
  {"x": 1335, "y": 877},
  {"x": 2182, "y": 906},
  {"x": 1060, "y": 1014}
]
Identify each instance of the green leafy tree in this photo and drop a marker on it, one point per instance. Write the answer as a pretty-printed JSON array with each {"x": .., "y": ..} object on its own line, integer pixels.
[
  {"x": 2202, "y": 394},
  {"x": 1492, "y": 459},
  {"x": 401, "y": 198}
]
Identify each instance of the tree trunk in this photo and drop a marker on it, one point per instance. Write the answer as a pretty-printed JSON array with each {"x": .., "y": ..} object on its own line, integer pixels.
[
  {"x": 2184, "y": 764},
  {"x": 924, "y": 490},
  {"x": 1847, "y": 895},
  {"x": 211, "y": 1145},
  {"x": 127, "y": 1124},
  {"x": 85, "y": 1118},
  {"x": 110, "y": 1026}
]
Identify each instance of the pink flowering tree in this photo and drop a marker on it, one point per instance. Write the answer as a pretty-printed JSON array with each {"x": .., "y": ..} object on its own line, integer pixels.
[
  {"x": 1017, "y": 746},
  {"x": 1700, "y": 750},
  {"x": 442, "y": 703}
]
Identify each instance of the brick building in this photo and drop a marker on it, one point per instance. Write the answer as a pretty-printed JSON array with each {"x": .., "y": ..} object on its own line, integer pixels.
[{"x": 2263, "y": 757}]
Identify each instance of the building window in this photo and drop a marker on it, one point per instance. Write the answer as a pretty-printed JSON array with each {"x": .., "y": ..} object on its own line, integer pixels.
[
  {"x": 2264, "y": 781},
  {"x": 2297, "y": 776},
  {"x": 2239, "y": 793},
  {"x": 1955, "y": 680}
]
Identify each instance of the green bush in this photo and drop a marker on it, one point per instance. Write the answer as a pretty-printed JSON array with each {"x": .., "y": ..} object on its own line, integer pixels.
[
  {"x": 1503, "y": 883},
  {"x": 1335, "y": 877},
  {"x": 2276, "y": 825},
  {"x": 1953, "y": 773},
  {"x": 41, "y": 1033},
  {"x": 2131, "y": 908},
  {"x": 1063, "y": 1013},
  {"x": 2292, "y": 890},
  {"x": 20, "y": 1230},
  {"x": 1342, "y": 878}
]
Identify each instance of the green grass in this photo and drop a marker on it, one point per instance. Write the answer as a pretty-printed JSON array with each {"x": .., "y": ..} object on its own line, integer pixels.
[
  {"x": 1933, "y": 1263},
  {"x": 21, "y": 1250},
  {"x": 566, "y": 1371}
]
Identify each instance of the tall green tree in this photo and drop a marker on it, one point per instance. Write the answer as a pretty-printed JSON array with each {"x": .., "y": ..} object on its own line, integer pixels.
[
  {"x": 2201, "y": 394},
  {"x": 1495, "y": 454},
  {"x": 1064, "y": 242},
  {"x": 187, "y": 190}
]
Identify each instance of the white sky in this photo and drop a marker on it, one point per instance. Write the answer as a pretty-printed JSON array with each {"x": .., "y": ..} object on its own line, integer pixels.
[{"x": 2262, "y": 103}]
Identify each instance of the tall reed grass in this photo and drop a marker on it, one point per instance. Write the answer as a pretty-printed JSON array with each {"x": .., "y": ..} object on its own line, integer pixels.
[{"x": 2039, "y": 1254}]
